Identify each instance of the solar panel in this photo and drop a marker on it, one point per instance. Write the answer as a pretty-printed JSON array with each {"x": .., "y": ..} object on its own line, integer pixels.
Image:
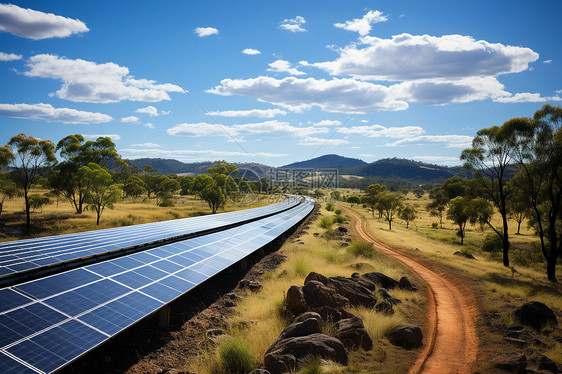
[
  {"x": 32, "y": 254},
  {"x": 56, "y": 319}
]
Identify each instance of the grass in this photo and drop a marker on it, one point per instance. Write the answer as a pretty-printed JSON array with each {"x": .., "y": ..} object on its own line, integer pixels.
[
  {"x": 235, "y": 357},
  {"x": 361, "y": 249}
]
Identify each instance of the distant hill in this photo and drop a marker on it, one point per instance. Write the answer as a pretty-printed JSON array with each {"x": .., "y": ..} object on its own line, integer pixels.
[{"x": 328, "y": 162}]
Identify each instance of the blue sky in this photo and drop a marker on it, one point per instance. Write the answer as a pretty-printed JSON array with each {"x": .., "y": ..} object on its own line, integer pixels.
[{"x": 276, "y": 82}]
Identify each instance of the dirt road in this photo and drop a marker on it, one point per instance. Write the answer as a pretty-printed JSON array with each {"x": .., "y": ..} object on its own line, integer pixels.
[{"x": 451, "y": 342}]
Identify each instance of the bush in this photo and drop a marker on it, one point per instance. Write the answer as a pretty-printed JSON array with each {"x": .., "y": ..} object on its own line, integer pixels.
[
  {"x": 434, "y": 225},
  {"x": 330, "y": 207},
  {"x": 37, "y": 202},
  {"x": 340, "y": 219},
  {"x": 361, "y": 249},
  {"x": 235, "y": 357},
  {"x": 492, "y": 243},
  {"x": 167, "y": 203},
  {"x": 326, "y": 222},
  {"x": 337, "y": 211}
]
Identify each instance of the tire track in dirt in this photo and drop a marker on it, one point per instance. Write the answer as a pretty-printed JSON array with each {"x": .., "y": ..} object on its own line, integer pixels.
[{"x": 451, "y": 344}]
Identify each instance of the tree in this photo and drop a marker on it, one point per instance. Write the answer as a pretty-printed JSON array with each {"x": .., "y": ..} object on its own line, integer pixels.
[
  {"x": 77, "y": 153},
  {"x": 8, "y": 189},
  {"x": 32, "y": 157},
  {"x": 38, "y": 202},
  {"x": 517, "y": 208},
  {"x": 389, "y": 203},
  {"x": 438, "y": 204},
  {"x": 166, "y": 189},
  {"x": 374, "y": 189},
  {"x": 206, "y": 188},
  {"x": 102, "y": 193},
  {"x": 463, "y": 210},
  {"x": 455, "y": 186},
  {"x": 492, "y": 154},
  {"x": 353, "y": 200},
  {"x": 134, "y": 186},
  {"x": 186, "y": 184},
  {"x": 418, "y": 193},
  {"x": 539, "y": 154},
  {"x": 407, "y": 213},
  {"x": 222, "y": 167}
]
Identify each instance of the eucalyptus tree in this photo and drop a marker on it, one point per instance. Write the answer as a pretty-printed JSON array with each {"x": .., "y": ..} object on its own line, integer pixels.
[{"x": 102, "y": 192}]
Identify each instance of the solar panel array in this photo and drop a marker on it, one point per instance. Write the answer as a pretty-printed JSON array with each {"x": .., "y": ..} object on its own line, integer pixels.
[
  {"x": 47, "y": 323},
  {"x": 23, "y": 255}
]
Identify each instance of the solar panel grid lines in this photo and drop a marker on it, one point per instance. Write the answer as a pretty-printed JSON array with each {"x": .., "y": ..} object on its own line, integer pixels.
[
  {"x": 36, "y": 256},
  {"x": 164, "y": 273}
]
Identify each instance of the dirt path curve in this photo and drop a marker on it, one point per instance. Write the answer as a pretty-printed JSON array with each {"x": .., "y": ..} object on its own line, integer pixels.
[{"x": 452, "y": 343}]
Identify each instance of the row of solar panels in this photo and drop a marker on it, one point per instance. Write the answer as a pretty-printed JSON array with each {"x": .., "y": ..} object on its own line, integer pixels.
[
  {"x": 31, "y": 254},
  {"x": 49, "y": 322}
]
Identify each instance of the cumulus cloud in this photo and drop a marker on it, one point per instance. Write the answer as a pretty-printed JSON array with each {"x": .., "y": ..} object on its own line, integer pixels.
[
  {"x": 526, "y": 97},
  {"x": 46, "y": 112},
  {"x": 251, "y": 51},
  {"x": 327, "y": 122},
  {"x": 293, "y": 25},
  {"x": 282, "y": 66},
  {"x": 378, "y": 131},
  {"x": 86, "y": 81},
  {"x": 9, "y": 56},
  {"x": 205, "y": 31},
  {"x": 363, "y": 25},
  {"x": 150, "y": 110},
  {"x": 191, "y": 154},
  {"x": 336, "y": 95},
  {"x": 113, "y": 137},
  {"x": 148, "y": 145},
  {"x": 408, "y": 57},
  {"x": 547, "y": 61},
  {"x": 259, "y": 113},
  {"x": 149, "y": 125},
  {"x": 451, "y": 141},
  {"x": 309, "y": 140},
  {"x": 130, "y": 119},
  {"x": 32, "y": 24}
]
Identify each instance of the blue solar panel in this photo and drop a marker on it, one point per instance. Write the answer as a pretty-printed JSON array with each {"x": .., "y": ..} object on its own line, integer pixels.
[
  {"x": 81, "y": 308},
  {"x": 9, "y": 365},
  {"x": 10, "y": 299}
]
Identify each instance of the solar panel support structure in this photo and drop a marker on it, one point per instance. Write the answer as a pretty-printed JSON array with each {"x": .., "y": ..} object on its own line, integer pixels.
[{"x": 164, "y": 317}]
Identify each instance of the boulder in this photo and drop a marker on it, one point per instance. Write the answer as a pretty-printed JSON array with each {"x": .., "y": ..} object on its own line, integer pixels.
[
  {"x": 384, "y": 307},
  {"x": 342, "y": 229},
  {"x": 350, "y": 288},
  {"x": 317, "y": 294},
  {"x": 386, "y": 296},
  {"x": 353, "y": 334},
  {"x": 407, "y": 336},
  {"x": 250, "y": 284},
  {"x": 307, "y": 315},
  {"x": 355, "y": 275},
  {"x": 304, "y": 328},
  {"x": 536, "y": 315},
  {"x": 405, "y": 284},
  {"x": 330, "y": 314},
  {"x": 381, "y": 279},
  {"x": 547, "y": 364},
  {"x": 295, "y": 302},
  {"x": 367, "y": 284},
  {"x": 283, "y": 355},
  {"x": 514, "y": 362}
]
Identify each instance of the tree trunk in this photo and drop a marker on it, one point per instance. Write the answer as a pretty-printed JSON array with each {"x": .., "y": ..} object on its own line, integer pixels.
[
  {"x": 518, "y": 227},
  {"x": 98, "y": 219},
  {"x": 551, "y": 268},
  {"x": 27, "y": 212},
  {"x": 390, "y": 225},
  {"x": 505, "y": 242}
]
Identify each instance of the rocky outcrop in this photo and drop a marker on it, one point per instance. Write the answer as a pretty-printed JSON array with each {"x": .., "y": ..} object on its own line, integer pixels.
[
  {"x": 350, "y": 288},
  {"x": 407, "y": 336},
  {"x": 384, "y": 307},
  {"x": 352, "y": 333},
  {"x": 405, "y": 284},
  {"x": 307, "y": 315},
  {"x": 515, "y": 362},
  {"x": 295, "y": 301},
  {"x": 536, "y": 315},
  {"x": 382, "y": 280},
  {"x": 317, "y": 294},
  {"x": 330, "y": 314},
  {"x": 386, "y": 297}
]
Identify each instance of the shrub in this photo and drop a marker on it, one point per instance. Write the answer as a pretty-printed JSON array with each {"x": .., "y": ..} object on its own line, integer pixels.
[
  {"x": 361, "y": 249},
  {"x": 235, "y": 357},
  {"x": 166, "y": 203},
  {"x": 434, "y": 225},
  {"x": 330, "y": 207},
  {"x": 337, "y": 211},
  {"x": 492, "y": 243},
  {"x": 340, "y": 219},
  {"x": 301, "y": 267},
  {"x": 326, "y": 222}
]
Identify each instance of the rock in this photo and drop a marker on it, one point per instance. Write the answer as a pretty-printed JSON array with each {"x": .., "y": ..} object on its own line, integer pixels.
[
  {"x": 383, "y": 280},
  {"x": 352, "y": 334},
  {"x": 405, "y": 284},
  {"x": 259, "y": 371},
  {"x": 216, "y": 336},
  {"x": 367, "y": 284},
  {"x": 349, "y": 288},
  {"x": 342, "y": 229},
  {"x": 307, "y": 315},
  {"x": 547, "y": 364},
  {"x": 250, "y": 284},
  {"x": 355, "y": 275},
  {"x": 515, "y": 362},
  {"x": 384, "y": 307},
  {"x": 295, "y": 301},
  {"x": 330, "y": 314},
  {"x": 518, "y": 342},
  {"x": 316, "y": 235},
  {"x": 463, "y": 254},
  {"x": 386, "y": 296},
  {"x": 304, "y": 328},
  {"x": 283, "y": 355},
  {"x": 536, "y": 315},
  {"x": 232, "y": 296},
  {"x": 317, "y": 294},
  {"x": 407, "y": 336}
]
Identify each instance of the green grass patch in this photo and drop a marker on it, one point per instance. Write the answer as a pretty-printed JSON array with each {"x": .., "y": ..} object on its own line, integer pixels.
[
  {"x": 235, "y": 357},
  {"x": 361, "y": 249}
]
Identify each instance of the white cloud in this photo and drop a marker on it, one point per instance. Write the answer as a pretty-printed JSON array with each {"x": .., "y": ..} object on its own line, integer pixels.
[
  {"x": 336, "y": 95},
  {"x": 86, "y": 81},
  {"x": 451, "y": 141},
  {"x": 205, "y": 31},
  {"x": 191, "y": 154},
  {"x": 32, "y": 24},
  {"x": 113, "y": 137},
  {"x": 149, "y": 125},
  {"x": 9, "y": 56},
  {"x": 199, "y": 129},
  {"x": 526, "y": 97},
  {"x": 364, "y": 121},
  {"x": 327, "y": 122},
  {"x": 321, "y": 141},
  {"x": 148, "y": 145},
  {"x": 46, "y": 112},
  {"x": 378, "y": 131},
  {"x": 363, "y": 25},
  {"x": 368, "y": 155},
  {"x": 130, "y": 119},
  {"x": 409, "y": 57},
  {"x": 293, "y": 25},
  {"x": 547, "y": 61},
  {"x": 282, "y": 66},
  {"x": 251, "y": 51},
  {"x": 441, "y": 160},
  {"x": 260, "y": 113},
  {"x": 150, "y": 110}
]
